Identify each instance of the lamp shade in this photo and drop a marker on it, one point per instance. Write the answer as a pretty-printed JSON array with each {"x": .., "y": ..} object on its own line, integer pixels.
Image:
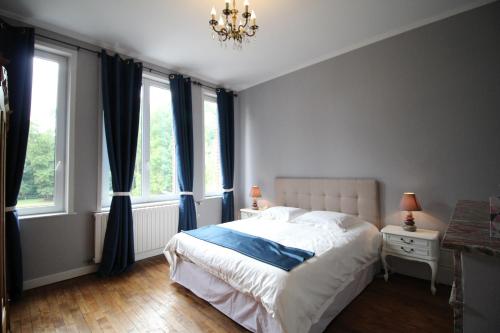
[
  {"x": 409, "y": 202},
  {"x": 255, "y": 192}
]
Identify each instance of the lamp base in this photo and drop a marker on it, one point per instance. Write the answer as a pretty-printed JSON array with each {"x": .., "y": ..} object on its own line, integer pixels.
[
  {"x": 409, "y": 223},
  {"x": 410, "y": 228},
  {"x": 254, "y": 205}
]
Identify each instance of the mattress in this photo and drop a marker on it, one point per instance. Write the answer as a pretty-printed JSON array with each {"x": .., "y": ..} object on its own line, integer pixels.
[{"x": 295, "y": 300}]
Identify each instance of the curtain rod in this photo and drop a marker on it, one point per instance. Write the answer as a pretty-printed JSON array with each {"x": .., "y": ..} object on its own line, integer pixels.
[{"x": 149, "y": 69}]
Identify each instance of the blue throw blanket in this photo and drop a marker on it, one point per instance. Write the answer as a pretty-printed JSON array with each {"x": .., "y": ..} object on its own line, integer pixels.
[{"x": 262, "y": 249}]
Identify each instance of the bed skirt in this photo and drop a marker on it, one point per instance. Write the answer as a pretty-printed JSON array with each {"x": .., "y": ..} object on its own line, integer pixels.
[{"x": 248, "y": 312}]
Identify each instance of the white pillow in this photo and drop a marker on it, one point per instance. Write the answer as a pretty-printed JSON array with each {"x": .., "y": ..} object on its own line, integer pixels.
[
  {"x": 341, "y": 220},
  {"x": 282, "y": 213}
]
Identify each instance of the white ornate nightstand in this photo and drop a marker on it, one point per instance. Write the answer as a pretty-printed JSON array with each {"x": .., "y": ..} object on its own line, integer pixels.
[
  {"x": 246, "y": 213},
  {"x": 421, "y": 245}
]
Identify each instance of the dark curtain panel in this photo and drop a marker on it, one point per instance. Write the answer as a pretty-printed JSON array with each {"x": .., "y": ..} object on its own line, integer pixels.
[
  {"x": 121, "y": 100},
  {"x": 183, "y": 129},
  {"x": 17, "y": 45},
  {"x": 225, "y": 105}
]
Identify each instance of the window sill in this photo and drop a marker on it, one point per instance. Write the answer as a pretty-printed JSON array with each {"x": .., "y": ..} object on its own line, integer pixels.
[{"x": 44, "y": 215}]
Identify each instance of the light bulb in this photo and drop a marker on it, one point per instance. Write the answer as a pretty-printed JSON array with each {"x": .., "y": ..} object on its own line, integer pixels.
[
  {"x": 253, "y": 16},
  {"x": 213, "y": 12},
  {"x": 221, "y": 21},
  {"x": 247, "y": 3}
]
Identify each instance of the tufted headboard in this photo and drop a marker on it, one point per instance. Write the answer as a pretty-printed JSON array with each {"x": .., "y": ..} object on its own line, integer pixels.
[{"x": 346, "y": 195}]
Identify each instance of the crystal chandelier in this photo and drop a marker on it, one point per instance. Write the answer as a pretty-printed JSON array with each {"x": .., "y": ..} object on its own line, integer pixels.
[{"x": 228, "y": 27}]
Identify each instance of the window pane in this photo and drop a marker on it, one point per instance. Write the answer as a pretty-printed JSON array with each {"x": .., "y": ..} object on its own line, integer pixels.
[
  {"x": 213, "y": 181},
  {"x": 154, "y": 174},
  {"x": 38, "y": 184},
  {"x": 161, "y": 142}
]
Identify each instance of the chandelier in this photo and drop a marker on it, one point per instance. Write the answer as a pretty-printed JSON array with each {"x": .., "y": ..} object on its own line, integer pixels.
[{"x": 228, "y": 27}]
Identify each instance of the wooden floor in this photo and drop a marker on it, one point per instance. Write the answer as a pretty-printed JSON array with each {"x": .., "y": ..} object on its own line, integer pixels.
[{"x": 145, "y": 300}]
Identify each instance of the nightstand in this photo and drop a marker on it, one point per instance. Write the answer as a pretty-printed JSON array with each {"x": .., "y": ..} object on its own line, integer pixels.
[
  {"x": 246, "y": 213},
  {"x": 421, "y": 245}
]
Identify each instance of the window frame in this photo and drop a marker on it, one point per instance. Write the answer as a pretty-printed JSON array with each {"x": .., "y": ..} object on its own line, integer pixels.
[
  {"x": 148, "y": 80},
  {"x": 208, "y": 95},
  {"x": 64, "y": 140}
]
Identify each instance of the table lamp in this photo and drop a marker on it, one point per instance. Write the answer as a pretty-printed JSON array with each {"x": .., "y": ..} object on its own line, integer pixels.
[
  {"x": 255, "y": 193},
  {"x": 410, "y": 204}
]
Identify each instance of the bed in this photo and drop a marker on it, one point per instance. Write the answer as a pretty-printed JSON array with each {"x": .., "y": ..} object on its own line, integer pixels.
[{"x": 264, "y": 298}]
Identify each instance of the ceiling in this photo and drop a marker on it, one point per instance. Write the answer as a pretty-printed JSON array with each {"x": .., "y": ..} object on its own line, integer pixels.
[{"x": 175, "y": 34}]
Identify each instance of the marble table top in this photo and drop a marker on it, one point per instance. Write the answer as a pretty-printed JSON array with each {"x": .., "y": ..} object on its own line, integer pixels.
[{"x": 469, "y": 229}]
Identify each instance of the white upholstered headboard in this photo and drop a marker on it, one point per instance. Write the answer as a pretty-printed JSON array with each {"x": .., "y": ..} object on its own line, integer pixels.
[{"x": 346, "y": 195}]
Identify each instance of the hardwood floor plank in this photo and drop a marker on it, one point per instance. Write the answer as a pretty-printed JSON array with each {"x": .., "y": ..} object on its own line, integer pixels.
[
  {"x": 145, "y": 300},
  {"x": 92, "y": 322}
]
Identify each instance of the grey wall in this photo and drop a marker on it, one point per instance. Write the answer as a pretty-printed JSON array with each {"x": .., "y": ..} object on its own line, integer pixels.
[
  {"x": 418, "y": 112},
  {"x": 56, "y": 244},
  {"x": 59, "y": 243}
]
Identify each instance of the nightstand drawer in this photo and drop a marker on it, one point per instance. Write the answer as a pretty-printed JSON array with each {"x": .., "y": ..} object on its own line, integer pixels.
[
  {"x": 245, "y": 215},
  {"x": 408, "y": 241},
  {"x": 408, "y": 250}
]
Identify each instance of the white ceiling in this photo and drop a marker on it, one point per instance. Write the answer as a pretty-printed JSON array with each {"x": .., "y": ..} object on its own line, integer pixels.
[{"x": 175, "y": 34}]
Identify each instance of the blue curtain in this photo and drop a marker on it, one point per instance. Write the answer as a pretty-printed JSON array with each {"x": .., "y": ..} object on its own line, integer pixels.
[
  {"x": 121, "y": 98},
  {"x": 180, "y": 89},
  {"x": 18, "y": 45},
  {"x": 225, "y": 105}
]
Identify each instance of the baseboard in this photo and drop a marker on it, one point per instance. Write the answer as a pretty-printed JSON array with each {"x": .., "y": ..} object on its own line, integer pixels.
[
  {"x": 143, "y": 255},
  {"x": 445, "y": 275},
  {"x": 73, "y": 273},
  {"x": 148, "y": 254},
  {"x": 57, "y": 277},
  {"x": 421, "y": 270}
]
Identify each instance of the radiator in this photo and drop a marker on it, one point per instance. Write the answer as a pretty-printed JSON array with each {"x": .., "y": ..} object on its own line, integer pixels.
[{"x": 153, "y": 228}]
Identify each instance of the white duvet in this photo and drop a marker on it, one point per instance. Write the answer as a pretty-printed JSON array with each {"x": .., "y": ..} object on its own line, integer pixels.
[{"x": 298, "y": 298}]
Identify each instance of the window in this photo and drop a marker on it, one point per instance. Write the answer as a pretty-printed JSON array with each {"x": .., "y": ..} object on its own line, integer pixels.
[
  {"x": 213, "y": 177},
  {"x": 154, "y": 175},
  {"x": 43, "y": 187}
]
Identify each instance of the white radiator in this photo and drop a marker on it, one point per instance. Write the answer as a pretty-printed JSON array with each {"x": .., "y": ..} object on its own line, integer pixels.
[{"x": 153, "y": 228}]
